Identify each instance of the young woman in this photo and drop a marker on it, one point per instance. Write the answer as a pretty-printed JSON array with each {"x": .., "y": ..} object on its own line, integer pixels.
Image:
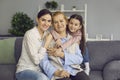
[
  {"x": 32, "y": 50},
  {"x": 63, "y": 65}
]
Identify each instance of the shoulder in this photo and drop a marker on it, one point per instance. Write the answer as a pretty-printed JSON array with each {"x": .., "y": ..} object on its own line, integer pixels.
[
  {"x": 69, "y": 35},
  {"x": 31, "y": 33},
  {"x": 49, "y": 36}
]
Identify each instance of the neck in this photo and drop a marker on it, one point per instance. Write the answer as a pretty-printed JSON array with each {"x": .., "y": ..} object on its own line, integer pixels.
[
  {"x": 40, "y": 31},
  {"x": 62, "y": 34}
]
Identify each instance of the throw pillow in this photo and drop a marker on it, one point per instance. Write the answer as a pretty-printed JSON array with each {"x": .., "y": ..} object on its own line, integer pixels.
[{"x": 7, "y": 51}]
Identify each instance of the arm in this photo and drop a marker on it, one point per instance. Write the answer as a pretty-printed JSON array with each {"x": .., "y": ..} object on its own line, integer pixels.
[
  {"x": 86, "y": 61},
  {"x": 76, "y": 58},
  {"x": 71, "y": 41},
  {"x": 48, "y": 40},
  {"x": 86, "y": 56},
  {"x": 50, "y": 70},
  {"x": 87, "y": 68},
  {"x": 33, "y": 47}
]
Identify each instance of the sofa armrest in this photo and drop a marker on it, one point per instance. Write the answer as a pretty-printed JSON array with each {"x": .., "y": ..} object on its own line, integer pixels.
[{"x": 112, "y": 70}]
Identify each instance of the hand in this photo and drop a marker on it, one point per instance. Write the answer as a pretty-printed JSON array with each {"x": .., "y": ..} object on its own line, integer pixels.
[
  {"x": 58, "y": 43},
  {"x": 62, "y": 73},
  {"x": 51, "y": 51},
  {"x": 57, "y": 52}
]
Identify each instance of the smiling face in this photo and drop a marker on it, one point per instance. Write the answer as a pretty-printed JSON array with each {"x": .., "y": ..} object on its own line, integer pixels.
[
  {"x": 59, "y": 23},
  {"x": 74, "y": 25},
  {"x": 44, "y": 22}
]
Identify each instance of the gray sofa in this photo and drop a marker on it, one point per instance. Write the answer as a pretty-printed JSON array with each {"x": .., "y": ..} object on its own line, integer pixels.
[{"x": 104, "y": 60}]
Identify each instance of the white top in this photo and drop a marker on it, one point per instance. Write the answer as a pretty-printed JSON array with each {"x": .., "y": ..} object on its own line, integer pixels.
[{"x": 32, "y": 51}]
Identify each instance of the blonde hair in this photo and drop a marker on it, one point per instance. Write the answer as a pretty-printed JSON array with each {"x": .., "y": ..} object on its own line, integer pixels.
[{"x": 58, "y": 13}]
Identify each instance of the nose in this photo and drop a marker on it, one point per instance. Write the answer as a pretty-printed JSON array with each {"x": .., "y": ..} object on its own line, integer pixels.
[
  {"x": 47, "y": 23},
  {"x": 59, "y": 23}
]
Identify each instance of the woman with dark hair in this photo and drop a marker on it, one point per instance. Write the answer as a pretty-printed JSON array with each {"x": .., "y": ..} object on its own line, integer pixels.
[{"x": 33, "y": 50}]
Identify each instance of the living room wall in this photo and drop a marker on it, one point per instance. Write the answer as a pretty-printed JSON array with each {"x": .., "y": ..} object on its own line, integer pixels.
[{"x": 102, "y": 15}]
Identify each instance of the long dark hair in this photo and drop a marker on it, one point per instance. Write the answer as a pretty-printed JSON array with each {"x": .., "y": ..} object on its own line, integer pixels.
[
  {"x": 43, "y": 12},
  {"x": 82, "y": 41}
]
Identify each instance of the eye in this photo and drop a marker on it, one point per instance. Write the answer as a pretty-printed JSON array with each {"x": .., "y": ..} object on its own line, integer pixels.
[
  {"x": 43, "y": 19},
  {"x": 49, "y": 21},
  {"x": 76, "y": 24},
  {"x": 71, "y": 23},
  {"x": 61, "y": 20}
]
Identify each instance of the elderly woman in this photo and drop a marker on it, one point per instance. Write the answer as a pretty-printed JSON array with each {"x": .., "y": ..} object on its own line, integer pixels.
[{"x": 63, "y": 65}]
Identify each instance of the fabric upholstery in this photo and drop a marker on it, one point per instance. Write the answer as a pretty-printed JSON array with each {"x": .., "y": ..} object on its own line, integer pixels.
[
  {"x": 96, "y": 75},
  {"x": 104, "y": 60},
  {"x": 18, "y": 48},
  {"x": 101, "y": 52},
  {"x": 7, "y": 51},
  {"x": 112, "y": 70},
  {"x": 7, "y": 72}
]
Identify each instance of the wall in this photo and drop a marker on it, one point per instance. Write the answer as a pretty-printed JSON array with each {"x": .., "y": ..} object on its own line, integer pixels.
[
  {"x": 103, "y": 15},
  {"x": 104, "y": 18}
]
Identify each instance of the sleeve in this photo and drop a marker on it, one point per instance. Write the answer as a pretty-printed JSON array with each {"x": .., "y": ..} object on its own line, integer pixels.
[
  {"x": 33, "y": 48},
  {"x": 73, "y": 58},
  {"x": 71, "y": 41},
  {"x": 48, "y": 68},
  {"x": 86, "y": 55},
  {"x": 87, "y": 68}
]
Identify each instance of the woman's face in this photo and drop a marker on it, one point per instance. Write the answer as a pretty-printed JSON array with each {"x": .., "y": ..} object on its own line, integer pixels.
[
  {"x": 59, "y": 23},
  {"x": 74, "y": 25},
  {"x": 44, "y": 22}
]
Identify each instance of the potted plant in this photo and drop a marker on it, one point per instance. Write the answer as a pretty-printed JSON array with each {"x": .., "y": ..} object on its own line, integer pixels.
[
  {"x": 48, "y": 5},
  {"x": 20, "y": 23},
  {"x": 54, "y": 5},
  {"x": 73, "y": 8},
  {"x": 51, "y": 5}
]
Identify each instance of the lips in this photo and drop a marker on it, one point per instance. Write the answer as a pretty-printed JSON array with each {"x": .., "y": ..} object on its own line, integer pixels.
[{"x": 45, "y": 26}]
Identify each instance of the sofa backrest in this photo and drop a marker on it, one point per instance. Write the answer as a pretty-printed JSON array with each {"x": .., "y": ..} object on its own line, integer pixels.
[
  {"x": 102, "y": 52},
  {"x": 18, "y": 48},
  {"x": 11, "y": 50}
]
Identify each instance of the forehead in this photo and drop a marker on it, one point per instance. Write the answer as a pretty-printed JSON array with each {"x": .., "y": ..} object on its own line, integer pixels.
[
  {"x": 74, "y": 20},
  {"x": 58, "y": 17},
  {"x": 46, "y": 16}
]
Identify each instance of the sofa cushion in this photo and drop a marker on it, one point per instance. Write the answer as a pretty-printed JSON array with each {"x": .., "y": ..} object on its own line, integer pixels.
[
  {"x": 112, "y": 70},
  {"x": 7, "y": 51},
  {"x": 7, "y": 72},
  {"x": 96, "y": 75},
  {"x": 101, "y": 52}
]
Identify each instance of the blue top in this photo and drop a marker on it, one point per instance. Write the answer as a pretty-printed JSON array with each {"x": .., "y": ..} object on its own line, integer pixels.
[
  {"x": 86, "y": 56},
  {"x": 69, "y": 59}
]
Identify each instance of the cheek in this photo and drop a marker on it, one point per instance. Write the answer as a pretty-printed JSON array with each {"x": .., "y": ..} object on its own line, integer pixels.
[
  {"x": 55, "y": 27},
  {"x": 50, "y": 24}
]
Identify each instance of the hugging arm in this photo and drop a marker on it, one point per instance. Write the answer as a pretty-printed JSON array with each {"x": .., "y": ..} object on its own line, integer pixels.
[
  {"x": 76, "y": 58},
  {"x": 48, "y": 68}
]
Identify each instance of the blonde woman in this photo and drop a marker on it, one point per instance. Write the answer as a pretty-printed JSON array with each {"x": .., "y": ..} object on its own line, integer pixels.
[{"x": 63, "y": 65}]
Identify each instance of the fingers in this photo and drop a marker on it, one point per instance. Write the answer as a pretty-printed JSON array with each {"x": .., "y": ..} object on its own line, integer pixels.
[
  {"x": 58, "y": 43},
  {"x": 64, "y": 74}
]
